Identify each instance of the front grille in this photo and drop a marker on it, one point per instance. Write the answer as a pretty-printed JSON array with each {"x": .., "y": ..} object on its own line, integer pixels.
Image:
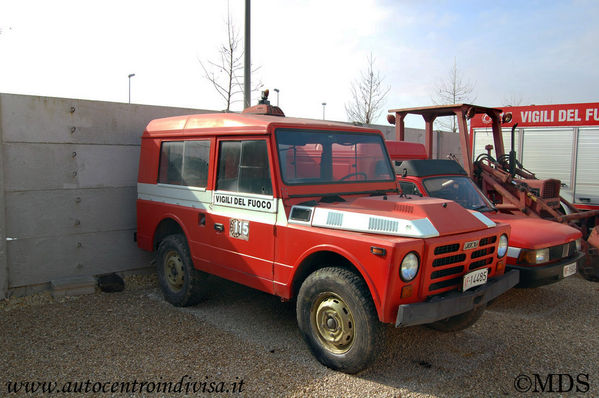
[
  {"x": 488, "y": 241},
  {"x": 449, "y": 262},
  {"x": 458, "y": 258},
  {"x": 479, "y": 263},
  {"x": 482, "y": 252},
  {"x": 447, "y": 272},
  {"x": 447, "y": 248}
]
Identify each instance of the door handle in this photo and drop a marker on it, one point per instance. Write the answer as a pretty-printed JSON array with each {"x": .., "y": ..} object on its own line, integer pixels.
[{"x": 219, "y": 227}]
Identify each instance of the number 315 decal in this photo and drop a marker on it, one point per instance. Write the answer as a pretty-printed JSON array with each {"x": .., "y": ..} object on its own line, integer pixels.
[{"x": 239, "y": 229}]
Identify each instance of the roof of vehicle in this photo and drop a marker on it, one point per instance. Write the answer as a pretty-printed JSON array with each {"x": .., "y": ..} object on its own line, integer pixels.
[
  {"x": 236, "y": 123},
  {"x": 425, "y": 168},
  {"x": 445, "y": 110}
]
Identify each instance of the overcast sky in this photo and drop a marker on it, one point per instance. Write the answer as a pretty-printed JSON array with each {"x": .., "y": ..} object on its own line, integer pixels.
[{"x": 537, "y": 52}]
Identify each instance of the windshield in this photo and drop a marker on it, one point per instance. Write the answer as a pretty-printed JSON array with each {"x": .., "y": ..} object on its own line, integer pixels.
[
  {"x": 459, "y": 189},
  {"x": 331, "y": 157}
]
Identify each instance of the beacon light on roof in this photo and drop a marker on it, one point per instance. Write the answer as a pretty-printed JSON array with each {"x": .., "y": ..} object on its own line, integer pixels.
[{"x": 264, "y": 107}]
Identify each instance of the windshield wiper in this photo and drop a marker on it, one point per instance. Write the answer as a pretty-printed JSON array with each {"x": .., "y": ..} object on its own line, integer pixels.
[
  {"x": 331, "y": 199},
  {"x": 382, "y": 192},
  {"x": 481, "y": 207}
]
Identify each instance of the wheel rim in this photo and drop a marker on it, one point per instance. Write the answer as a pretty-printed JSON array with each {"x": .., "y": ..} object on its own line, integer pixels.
[
  {"x": 173, "y": 270},
  {"x": 333, "y": 323}
]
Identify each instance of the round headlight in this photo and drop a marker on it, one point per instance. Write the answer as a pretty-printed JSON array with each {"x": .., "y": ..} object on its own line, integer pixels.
[
  {"x": 409, "y": 267},
  {"x": 502, "y": 248}
]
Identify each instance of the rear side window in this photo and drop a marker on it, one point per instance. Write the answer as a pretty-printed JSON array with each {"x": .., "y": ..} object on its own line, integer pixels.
[
  {"x": 184, "y": 163},
  {"x": 243, "y": 167}
]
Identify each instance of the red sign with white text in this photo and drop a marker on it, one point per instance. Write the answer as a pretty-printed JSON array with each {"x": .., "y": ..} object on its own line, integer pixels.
[{"x": 546, "y": 116}]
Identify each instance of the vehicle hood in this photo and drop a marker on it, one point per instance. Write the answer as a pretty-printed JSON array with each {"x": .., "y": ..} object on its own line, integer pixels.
[
  {"x": 535, "y": 233},
  {"x": 399, "y": 216}
]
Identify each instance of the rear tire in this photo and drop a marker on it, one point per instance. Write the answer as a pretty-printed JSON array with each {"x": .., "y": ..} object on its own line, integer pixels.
[
  {"x": 459, "y": 322},
  {"x": 181, "y": 284},
  {"x": 338, "y": 320}
]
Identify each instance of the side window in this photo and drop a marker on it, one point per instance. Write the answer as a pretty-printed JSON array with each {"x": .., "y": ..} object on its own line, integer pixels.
[
  {"x": 409, "y": 188},
  {"x": 184, "y": 163},
  {"x": 243, "y": 167},
  {"x": 196, "y": 156}
]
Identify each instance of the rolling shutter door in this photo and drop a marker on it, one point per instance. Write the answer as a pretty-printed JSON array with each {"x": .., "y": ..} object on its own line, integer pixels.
[
  {"x": 484, "y": 137},
  {"x": 587, "y": 167}
]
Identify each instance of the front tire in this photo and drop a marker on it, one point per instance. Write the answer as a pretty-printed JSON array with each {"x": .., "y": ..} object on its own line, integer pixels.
[
  {"x": 181, "y": 284},
  {"x": 338, "y": 320}
]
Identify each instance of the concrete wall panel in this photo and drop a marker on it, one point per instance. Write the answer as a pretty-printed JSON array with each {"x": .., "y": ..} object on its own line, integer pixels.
[
  {"x": 68, "y": 188},
  {"x": 3, "y": 256},
  {"x": 59, "y": 120},
  {"x": 444, "y": 142},
  {"x": 68, "y": 166},
  {"x": 37, "y": 214},
  {"x": 40, "y": 260}
]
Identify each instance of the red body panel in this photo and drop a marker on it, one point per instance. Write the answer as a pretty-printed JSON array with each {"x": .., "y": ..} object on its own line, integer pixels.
[{"x": 406, "y": 150}]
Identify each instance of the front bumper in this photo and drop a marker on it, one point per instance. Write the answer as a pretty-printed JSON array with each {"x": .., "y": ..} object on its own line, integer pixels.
[
  {"x": 535, "y": 276},
  {"x": 454, "y": 303}
]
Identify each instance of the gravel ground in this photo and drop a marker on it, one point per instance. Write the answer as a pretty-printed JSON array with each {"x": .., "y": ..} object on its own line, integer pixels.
[{"x": 239, "y": 335}]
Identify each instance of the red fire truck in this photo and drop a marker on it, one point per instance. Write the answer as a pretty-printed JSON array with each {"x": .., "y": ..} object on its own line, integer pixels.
[
  {"x": 309, "y": 210},
  {"x": 547, "y": 255}
]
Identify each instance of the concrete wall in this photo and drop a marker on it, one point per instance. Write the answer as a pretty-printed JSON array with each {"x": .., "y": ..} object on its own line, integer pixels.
[
  {"x": 68, "y": 176},
  {"x": 67, "y": 188},
  {"x": 444, "y": 142}
]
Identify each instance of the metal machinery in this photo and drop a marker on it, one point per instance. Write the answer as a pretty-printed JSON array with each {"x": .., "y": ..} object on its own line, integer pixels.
[{"x": 504, "y": 180}]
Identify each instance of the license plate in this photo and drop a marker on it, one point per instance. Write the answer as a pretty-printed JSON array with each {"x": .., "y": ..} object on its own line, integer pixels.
[
  {"x": 475, "y": 278},
  {"x": 569, "y": 269}
]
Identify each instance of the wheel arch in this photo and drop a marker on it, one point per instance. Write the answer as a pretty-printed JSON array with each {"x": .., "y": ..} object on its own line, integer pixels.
[
  {"x": 169, "y": 225},
  {"x": 329, "y": 256}
]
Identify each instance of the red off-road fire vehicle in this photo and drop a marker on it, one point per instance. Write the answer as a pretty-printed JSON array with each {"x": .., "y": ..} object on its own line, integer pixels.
[
  {"x": 543, "y": 251},
  {"x": 309, "y": 210}
]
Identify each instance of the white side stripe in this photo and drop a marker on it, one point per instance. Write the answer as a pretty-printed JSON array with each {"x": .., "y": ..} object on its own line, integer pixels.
[
  {"x": 199, "y": 198},
  {"x": 363, "y": 222},
  {"x": 486, "y": 220},
  {"x": 175, "y": 195},
  {"x": 513, "y": 252}
]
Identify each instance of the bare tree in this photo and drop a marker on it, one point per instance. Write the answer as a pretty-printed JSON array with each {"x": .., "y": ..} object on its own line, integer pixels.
[
  {"x": 513, "y": 100},
  {"x": 368, "y": 94},
  {"x": 226, "y": 74},
  {"x": 453, "y": 90}
]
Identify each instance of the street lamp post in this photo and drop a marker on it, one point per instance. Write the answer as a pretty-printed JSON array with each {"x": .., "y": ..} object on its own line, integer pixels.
[
  {"x": 277, "y": 91},
  {"x": 324, "y": 104},
  {"x": 130, "y": 76}
]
